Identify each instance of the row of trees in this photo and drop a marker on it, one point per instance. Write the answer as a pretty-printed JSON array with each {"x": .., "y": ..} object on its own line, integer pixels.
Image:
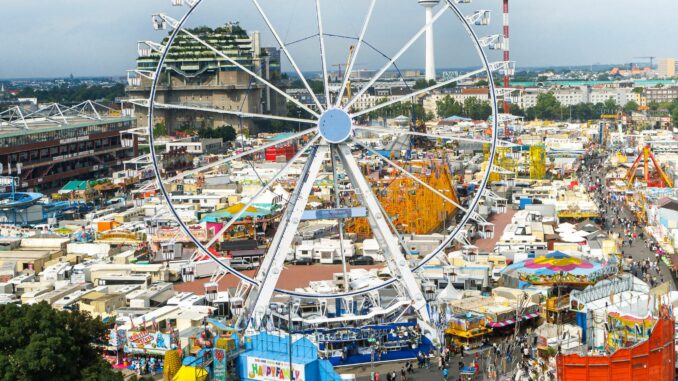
[
  {"x": 471, "y": 108},
  {"x": 226, "y": 133},
  {"x": 403, "y": 108},
  {"x": 74, "y": 94},
  {"x": 665, "y": 107},
  {"x": 548, "y": 107}
]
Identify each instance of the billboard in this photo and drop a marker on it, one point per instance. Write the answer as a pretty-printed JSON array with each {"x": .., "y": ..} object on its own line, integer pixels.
[
  {"x": 272, "y": 370},
  {"x": 219, "y": 364},
  {"x": 143, "y": 340}
]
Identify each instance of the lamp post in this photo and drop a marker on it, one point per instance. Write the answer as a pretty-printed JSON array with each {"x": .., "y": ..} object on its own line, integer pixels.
[
  {"x": 282, "y": 309},
  {"x": 299, "y": 122},
  {"x": 471, "y": 255},
  {"x": 452, "y": 276},
  {"x": 430, "y": 297}
]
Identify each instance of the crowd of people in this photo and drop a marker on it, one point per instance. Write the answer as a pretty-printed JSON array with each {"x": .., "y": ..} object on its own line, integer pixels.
[
  {"x": 617, "y": 219},
  {"x": 494, "y": 358}
]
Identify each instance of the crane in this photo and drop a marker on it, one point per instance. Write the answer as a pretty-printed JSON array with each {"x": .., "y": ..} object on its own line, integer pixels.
[
  {"x": 345, "y": 75},
  {"x": 651, "y": 58}
]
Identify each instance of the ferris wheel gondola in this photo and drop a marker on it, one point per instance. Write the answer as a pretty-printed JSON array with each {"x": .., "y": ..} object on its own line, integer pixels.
[{"x": 334, "y": 134}]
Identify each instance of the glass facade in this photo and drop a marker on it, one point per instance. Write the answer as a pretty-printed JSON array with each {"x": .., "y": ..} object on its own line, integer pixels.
[{"x": 61, "y": 133}]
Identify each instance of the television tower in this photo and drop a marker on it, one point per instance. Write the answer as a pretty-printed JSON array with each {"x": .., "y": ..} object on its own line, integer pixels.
[{"x": 430, "y": 56}]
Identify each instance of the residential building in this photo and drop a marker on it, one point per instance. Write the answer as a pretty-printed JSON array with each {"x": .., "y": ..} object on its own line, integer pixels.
[
  {"x": 666, "y": 67},
  {"x": 661, "y": 94},
  {"x": 197, "y": 146}
]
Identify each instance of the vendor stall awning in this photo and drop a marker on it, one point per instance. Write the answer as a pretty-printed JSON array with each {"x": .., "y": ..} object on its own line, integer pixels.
[{"x": 511, "y": 321}]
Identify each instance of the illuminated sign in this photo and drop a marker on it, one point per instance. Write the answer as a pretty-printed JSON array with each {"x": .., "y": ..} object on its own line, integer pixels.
[{"x": 330, "y": 214}]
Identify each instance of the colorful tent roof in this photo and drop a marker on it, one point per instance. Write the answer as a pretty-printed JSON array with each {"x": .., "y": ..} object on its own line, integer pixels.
[
  {"x": 251, "y": 212},
  {"x": 73, "y": 186},
  {"x": 555, "y": 262},
  {"x": 457, "y": 118}
]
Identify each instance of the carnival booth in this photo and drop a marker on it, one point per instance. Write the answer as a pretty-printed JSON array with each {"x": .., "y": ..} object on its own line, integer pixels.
[
  {"x": 614, "y": 312},
  {"x": 205, "y": 353},
  {"x": 558, "y": 268},
  {"x": 466, "y": 329},
  {"x": 267, "y": 358}
]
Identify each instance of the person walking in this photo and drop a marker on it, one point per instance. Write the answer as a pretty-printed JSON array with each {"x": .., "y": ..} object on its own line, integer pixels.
[{"x": 445, "y": 373}]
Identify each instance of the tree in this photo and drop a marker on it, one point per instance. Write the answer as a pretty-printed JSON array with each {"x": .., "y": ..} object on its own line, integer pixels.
[
  {"x": 547, "y": 107},
  {"x": 448, "y": 107},
  {"x": 422, "y": 84},
  {"x": 611, "y": 106},
  {"x": 226, "y": 133},
  {"x": 40, "y": 343},
  {"x": 74, "y": 94},
  {"x": 630, "y": 106},
  {"x": 159, "y": 130},
  {"x": 514, "y": 109},
  {"x": 293, "y": 111},
  {"x": 318, "y": 87},
  {"x": 397, "y": 109},
  {"x": 476, "y": 109}
]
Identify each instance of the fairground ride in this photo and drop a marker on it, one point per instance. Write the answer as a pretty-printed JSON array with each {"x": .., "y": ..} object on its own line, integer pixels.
[{"x": 333, "y": 138}]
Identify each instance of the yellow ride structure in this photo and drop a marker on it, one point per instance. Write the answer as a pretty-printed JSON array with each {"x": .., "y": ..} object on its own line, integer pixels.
[
  {"x": 537, "y": 162},
  {"x": 413, "y": 208},
  {"x": 530, "y": 162}
]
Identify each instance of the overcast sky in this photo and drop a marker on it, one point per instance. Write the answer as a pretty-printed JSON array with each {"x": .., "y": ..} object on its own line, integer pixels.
[{"x": 41, "y": 38}]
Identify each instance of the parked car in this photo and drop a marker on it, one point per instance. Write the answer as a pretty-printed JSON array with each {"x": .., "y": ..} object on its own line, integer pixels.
[
  {"x": 361, "y": 260},
  {"x": 305, "y": 261},
  {"x": 244, "y": 263}
]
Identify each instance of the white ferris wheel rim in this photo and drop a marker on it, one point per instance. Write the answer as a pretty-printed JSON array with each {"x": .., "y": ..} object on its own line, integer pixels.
[{"x": 179, "y": 27}]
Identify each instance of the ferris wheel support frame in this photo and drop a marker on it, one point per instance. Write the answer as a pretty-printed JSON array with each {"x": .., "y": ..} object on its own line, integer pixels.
[
  {"x": 489, "y": 67},
  {"x": 269, "y": 272}
]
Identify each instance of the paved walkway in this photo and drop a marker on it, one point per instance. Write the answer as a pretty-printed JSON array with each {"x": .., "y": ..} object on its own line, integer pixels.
[
  {"x": 485, "y": 356},
  {"x": 616, "y": 210}
]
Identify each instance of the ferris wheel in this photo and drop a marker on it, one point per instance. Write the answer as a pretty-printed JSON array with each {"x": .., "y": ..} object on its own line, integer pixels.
[{"x": 337, "y": 137}]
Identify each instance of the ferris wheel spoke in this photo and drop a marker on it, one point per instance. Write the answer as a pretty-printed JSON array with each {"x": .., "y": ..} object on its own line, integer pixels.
[
  {"x": 271, "y": 267},
  {"x": 500, "y": 143},
  {"x": 395, "y": 58},
  {"x": 233, "y": 157},
  {"x": 261, "y": 191},
  {"x": 426, "y": 90},
  {"x": 175, "y": 23},
  {"x": 283, "y": 47},
  {"x": 144, "y": 103},
  {"x": 351, "y": 63},
  {"x": 337, "y": 204},
  {"x": 474, "y": 216},
  {"x": 322, "y": 52},
  {"x": 395, "y": 261}
]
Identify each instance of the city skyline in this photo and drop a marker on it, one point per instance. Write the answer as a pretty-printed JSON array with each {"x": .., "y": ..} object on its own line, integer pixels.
[{"x": 100, "y": 40}]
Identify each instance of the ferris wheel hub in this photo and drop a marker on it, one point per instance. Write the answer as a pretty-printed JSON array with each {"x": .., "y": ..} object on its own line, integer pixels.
[{"x": 335, "y": 125}]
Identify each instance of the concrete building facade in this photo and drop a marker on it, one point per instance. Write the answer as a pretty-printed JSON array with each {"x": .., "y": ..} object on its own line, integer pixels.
[{"x": 194, "y": 75}]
